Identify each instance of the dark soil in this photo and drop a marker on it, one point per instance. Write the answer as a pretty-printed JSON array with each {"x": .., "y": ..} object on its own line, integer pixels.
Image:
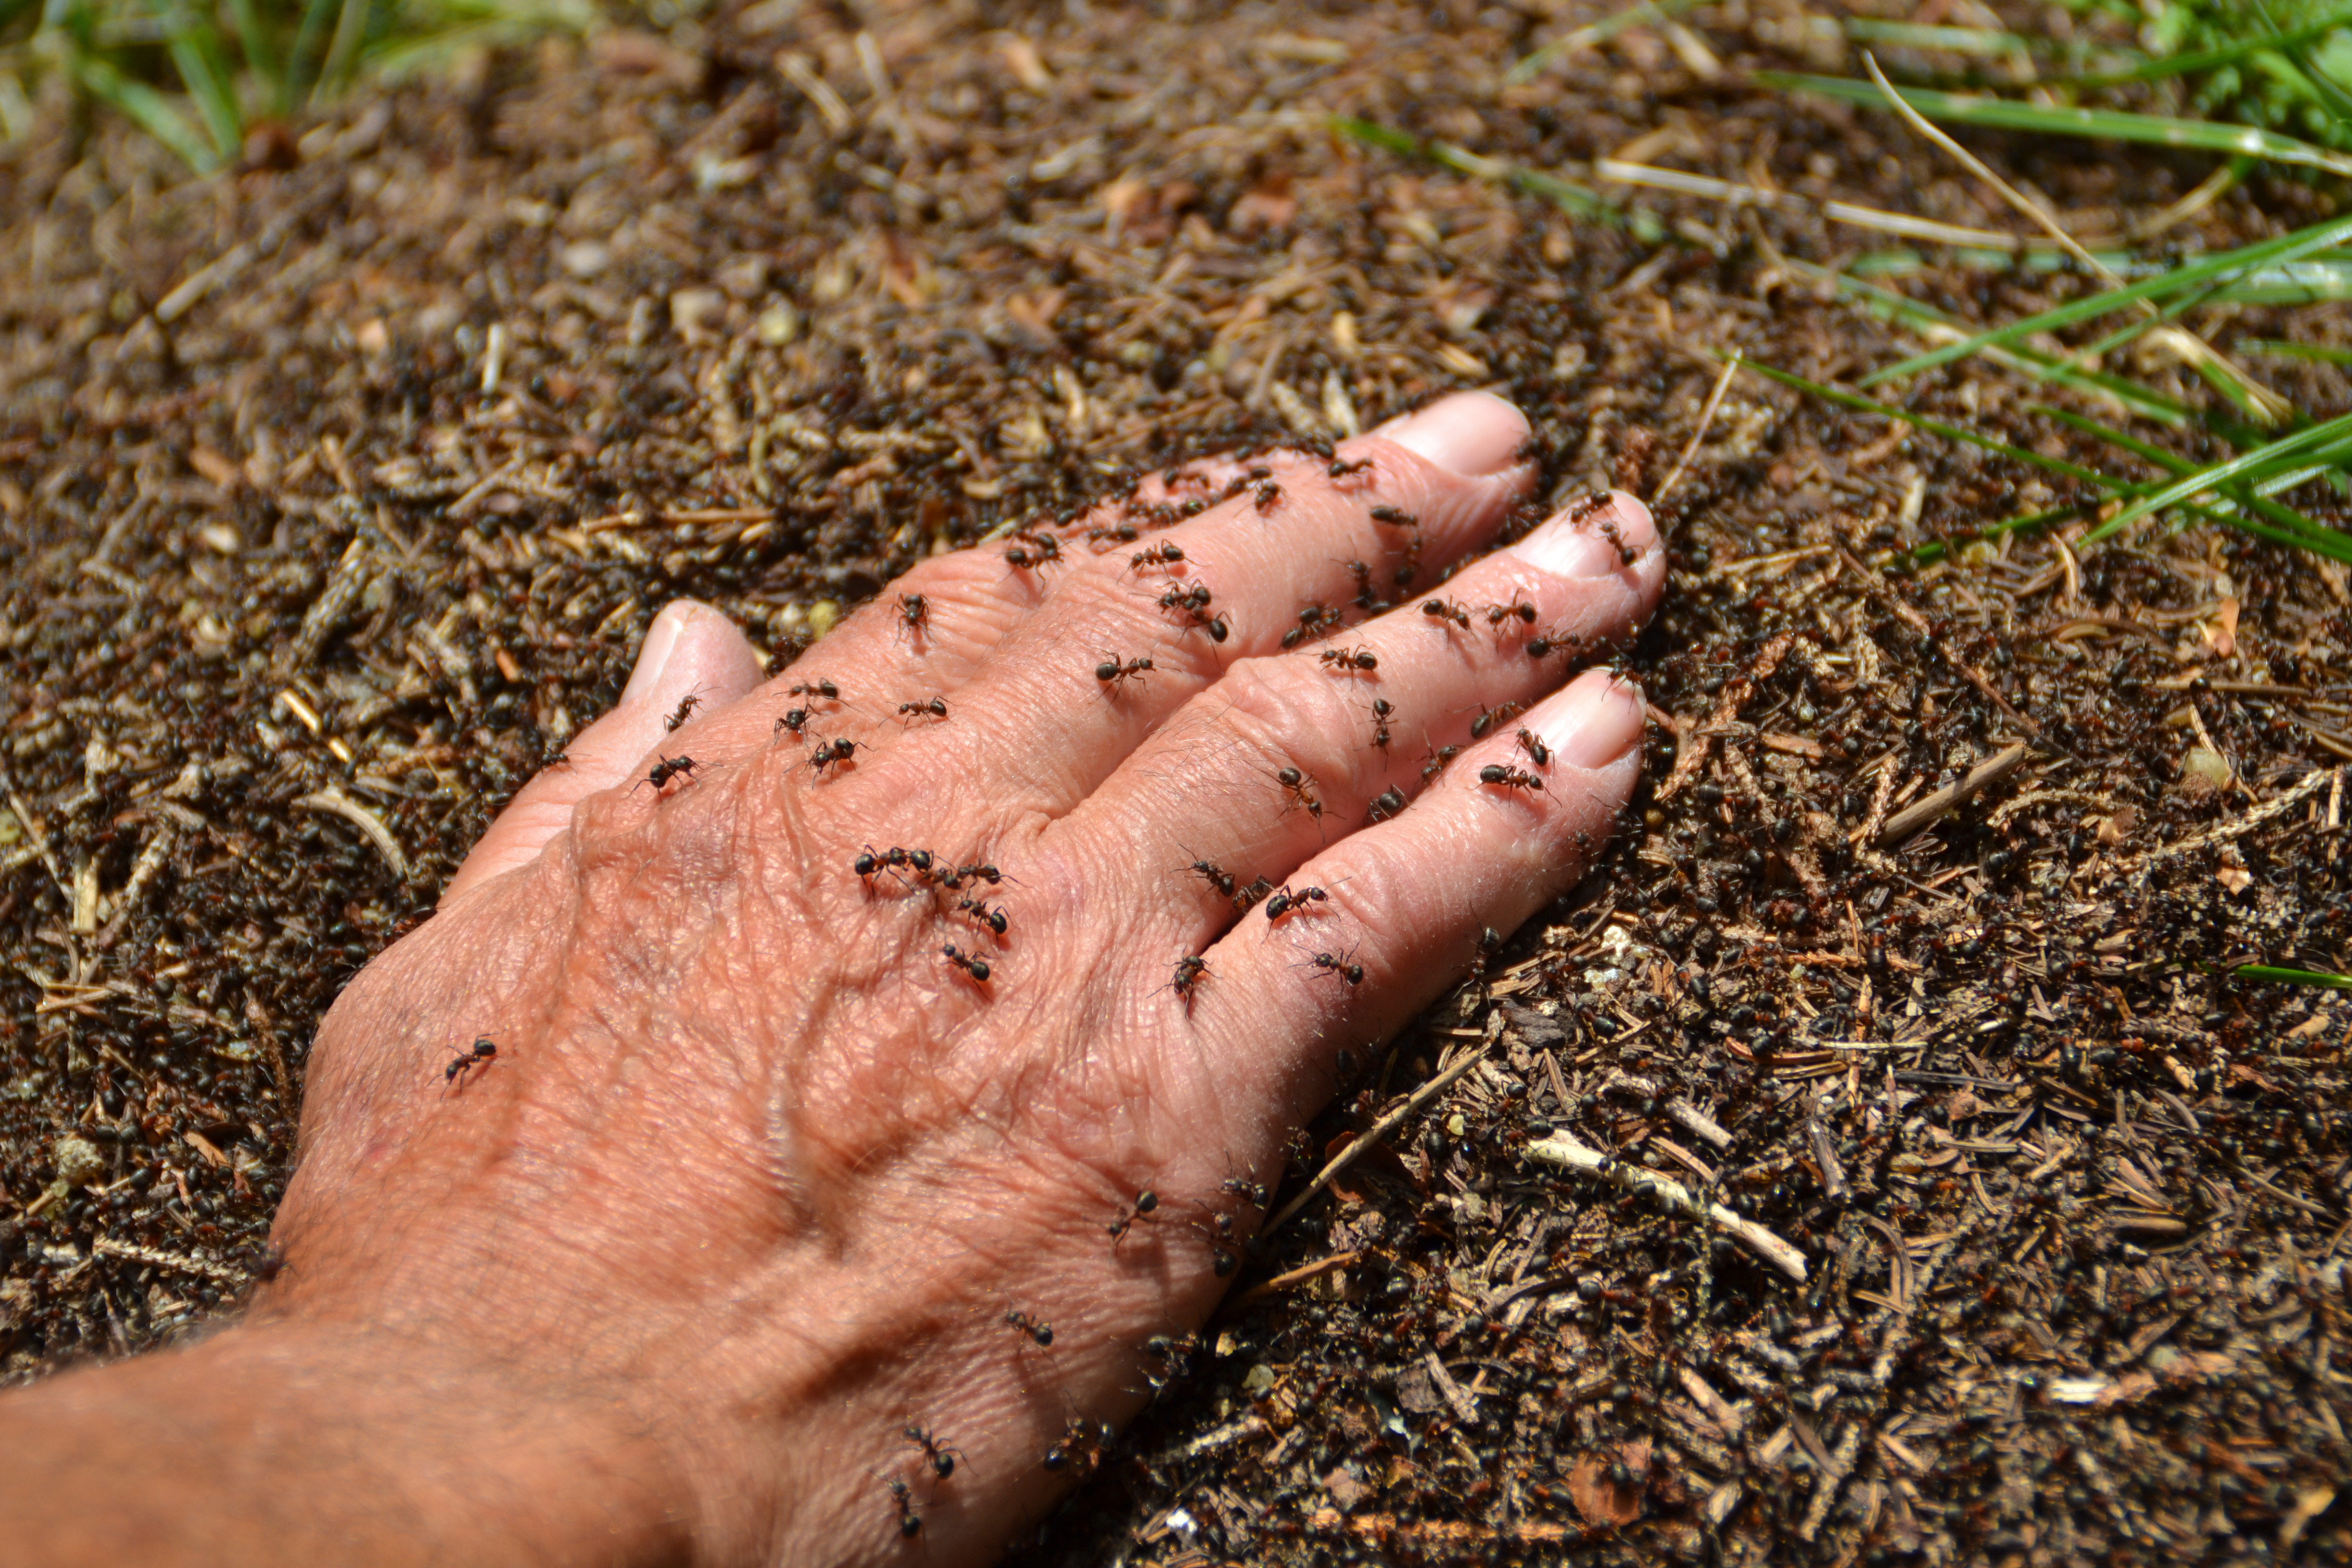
[{"x": 297, "y": 591}]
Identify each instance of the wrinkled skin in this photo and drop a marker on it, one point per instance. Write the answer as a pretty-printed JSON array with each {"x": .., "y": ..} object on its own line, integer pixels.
[{"x": 756, "y": 1172}]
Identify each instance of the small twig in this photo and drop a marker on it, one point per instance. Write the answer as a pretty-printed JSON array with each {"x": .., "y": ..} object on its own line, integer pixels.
[
  {"x": 1298, "y": 1275},
  {"x": 1378, "y": 1131},
  {"x": 332, "y": 799},
  {"x": 1570, "y": 1152},
  {"x": 156, "y": 1258},
  {"x": 1916, "y": 816},
  {"x": 2310, "y": 785},
  {"x": 1706, "y": 421}
]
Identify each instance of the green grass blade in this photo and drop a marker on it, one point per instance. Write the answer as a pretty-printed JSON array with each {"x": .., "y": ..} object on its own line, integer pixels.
[
  {"x": 2203, "y": 60},
  {"x": 147, "y": 109},
  {"x": 1598, "y": 32},
  {"x": 2307, "y": 532},
  {"x": 2276, "y": 458},
  {"x": 260, "y": 51},
  {"x": 2319, "y": 351},
  {"x": 2277, "y": 975},
  {"x": 310, "y": 39},
  {"x": 1950, "y": 40},
  {"x": 195, "y": 48},
  {"x": 1578, "y": 201},
  {"x": 2179, "y": 280},
  {"x": 2104, "y": 124},
  {"x": 1917, "y": 421}
]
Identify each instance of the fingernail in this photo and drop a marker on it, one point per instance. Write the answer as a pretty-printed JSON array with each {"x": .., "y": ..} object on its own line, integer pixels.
[
  {"x": 1471, "y": 433},
  {"x": 1592, "y": 723},
  {"x": 661, "y": 641},
  {"x": 1571, "y": 546}
]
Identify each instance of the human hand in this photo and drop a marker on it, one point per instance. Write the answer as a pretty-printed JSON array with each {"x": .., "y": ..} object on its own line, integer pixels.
[{"x": 758, "y": 1169}]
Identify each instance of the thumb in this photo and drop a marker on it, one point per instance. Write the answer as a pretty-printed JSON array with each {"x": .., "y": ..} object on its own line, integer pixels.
[{"x": 690, "y": 649}]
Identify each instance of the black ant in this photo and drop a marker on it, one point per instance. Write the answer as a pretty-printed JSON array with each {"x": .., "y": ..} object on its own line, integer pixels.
[
  {"x": 1033, "y": 550},
  {"x": 1533, "y": 745},
  {"x": 1366, "y": 600},
  {"x": 1190, "y": 970},
  {"x": 466, "y": 1061},
  {"x": 1585, "y": 505},
  {"x": 1251, "y": 1192},
  {"x": 1302, "y": 791},
  {"x": 1387, "y": 804},
  {"x": 666, "y": 769},
  {"x": 1216, "y": 875},
  {"x": 1446, "y": 610},
  {"x": 1349, "y": 659},
  {"x": 1286, "y": 901},
  {"x": 820, "y": 687},
  {"x": 1219, "y": 1237},
  {"x": 1249, "y": 897},
  {"x": 1341, "y": 964},
  {"x": 1489, "y": 718},
  {"x": 993, "y": 919},
  {"x": 686, "y": 706},
  {"x": 1191, "y": 596},
  {"x": 1437, "y": 761},
  {"x": 874, "y": 859},
  {"x": 1395, "y": 517},
  {"x": 1497, "y": 614},
  {"x": 914, "y": 614},
  {"x": 1167, "y": 552},
  {"x": 975, "y": 967},
  {"x": 1408, "y": 561},
  {"x": 1382, "y": 710},
  {"x": 944, "y": 1455},
  {"x": 1145, "y": 1202},
  {"x": 1111, "y": 670},
  {"x": 796, "y": 719},
  {"x": 1341, "y": 467},
  {"x": 1314, "y": 621},
  {"x": 1112, "y": 534},
  {"x": 1083, "y": 1441},
  {"x": 1508, "y": 778},
  {"x": 1041, "y": 1332},
  {"x": 937, "y": 708},
  {"x": 561, "y": 760},
  {"x": 910, "y": 1525},
  {"x": 828, "y": 752},
  {"x": 982, "y": 873},
  {"x": 1268, "y": 496}
]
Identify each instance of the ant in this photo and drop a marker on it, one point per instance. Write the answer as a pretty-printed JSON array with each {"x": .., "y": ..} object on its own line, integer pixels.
[
  {"x": 1112, "y": 534},
  {"x": 1251, "y": 1192},
  {"x": 1111, "y": 670},
  {"x": 1314, "y": 621},
  {"x": 1268, "y": 495},
  {"x": 1145, "y": 1202},
  {"x": 1343, "y": 964},
  {"x": 820, "y": 687},
  {"x": 1349, "y": 659},
  {"x": 1190, "y": 970},
  {"x": 796, "y": 719},
  {"x": 1508, "y": 778},
  {"x": 465, "y": 1061},
  {"x": 1585, "y": 505},
  {"x": 1083, "y": 1441},
  {"x": 1365, "y": 600},
  {"x": 1041, "y": 1332},
  {"x": 1341, "y": 467},
  {"x": 914, "y": 614},
  {"x": 975, "y": 967},
  {"x": 1387, "y": 804},
  {"x": 1437, "y": 761},
  {"x": 1490, "y": 717},
  {"x": 1497, "y": 614},
  {"x": 1216, "y": 875},
  {"x": 1302, "y": 791},
  {"x": 1382, "y": 708},
  {"x": 1248, "y": 898},
  {"x": 937, "y": 708},
  {"x": 1033, "y": 550},
  {"x": 1193, "y": 597},
  {"x": 944, "y": 1455},
  {"x": 1287, "y": 902},
  {"x": 1409, "y": 562},
  {"x": 828, "y": 752},
  {"x": 910, "y": 1525},
  {"x": 1446, "y": 610},
  {"x": 981, "y": 914},
  {"x": 961, "y": 874},
  {"x": 666, "y": 769},
  {"x": 874, "y": 859},
  {"x": 1542, "y": 646},
  {"x": 1395, "y": 517},
  {"x": 1221, "y": 1262},
  {"x": 1167, "y": 552},
  {"x": 1533, "y": 745},
  {"x": 686, "y": 706}
]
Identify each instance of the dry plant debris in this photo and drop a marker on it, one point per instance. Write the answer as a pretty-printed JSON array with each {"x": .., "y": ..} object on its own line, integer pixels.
[{"x": 336, "y": 497}]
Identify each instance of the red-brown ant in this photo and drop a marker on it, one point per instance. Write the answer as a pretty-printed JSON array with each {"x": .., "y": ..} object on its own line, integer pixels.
[
  {"x": 1489, "y": 718},
  {"x": 1301, "y": 790},
  {"x": 686, "y": 706},
  {"x": 937, "y": 708},
  {"x": 666, "y": 769},
  {"x": 1385, "y": 805},
  {"x": 820, "y": 687},
  {"x": 1191, "y": 970},
  {"x": 1382, "y": 708},
  {"x": 1216, "y": 875},
  {"x": 1268, "y": 496},
  {"x": 914, "y": 614},
  {"x": 1033, "y": 550},
  {"x": 910, "y": 1525},
  {"x": 1585, "y": 505},
  {"x": 1249, "y": 897},
  {"x": 829, "y": 752},
  {"x": 1167, "y": 552},
  {"x": 1041, "y": 1332},
  {"x": 1145, "y": 1202},
  {"x": 1083, "y": 1441},
  {"x": 975, "y": 967},
  {"x": 1251, "y": 1192},
  {"x": 942, "y": 1456},
  {"x": 1111, "y": 670},
  {"x": 1508, "y": 778},
  {"x": 1341, "y": 467},
  {"x": 1111, "y": 533},
  {"x": 1497, "y": 614},
  {"x": 1394, "y": 517},
  {"x": 1287, "y": 901},
  {"x": 466, "y": 1061},
  {"x": 1542, "y": 646},
  {"x": 1314, "y": 621},
  {"x": 1437, "y": 761},
  {"x": 1446, "y": 610},
  {"x": 1533, "y": 745},
  {"x": 1349, "y": 659},
  {"x": 1365, "y": 599},
  {"x": 1341, "y": 964}
]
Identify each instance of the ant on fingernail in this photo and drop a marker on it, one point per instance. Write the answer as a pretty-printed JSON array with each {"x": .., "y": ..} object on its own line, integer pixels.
[{"x": 1533, "y": 745}]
